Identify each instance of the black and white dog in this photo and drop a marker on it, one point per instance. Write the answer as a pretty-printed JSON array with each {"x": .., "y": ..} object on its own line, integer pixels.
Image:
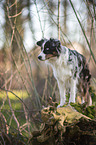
[{"x": 69, "y": 68}]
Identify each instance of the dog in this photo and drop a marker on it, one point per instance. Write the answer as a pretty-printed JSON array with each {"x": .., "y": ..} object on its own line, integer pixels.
[{"x": 69, "y": 68}]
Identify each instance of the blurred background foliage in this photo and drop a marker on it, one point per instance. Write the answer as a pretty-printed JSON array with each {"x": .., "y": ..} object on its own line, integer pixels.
[{"x": 26, "y": 83}]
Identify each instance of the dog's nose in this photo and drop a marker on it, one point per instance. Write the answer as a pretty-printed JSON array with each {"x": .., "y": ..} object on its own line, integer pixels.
[{"x": 39, "y": 57}]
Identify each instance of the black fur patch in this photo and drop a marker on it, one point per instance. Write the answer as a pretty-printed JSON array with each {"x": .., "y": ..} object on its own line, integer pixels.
[
  {"x": 39, "y": 43},
  {"x": 52, "y": 46},
  {"x": 82, "y": 68}
]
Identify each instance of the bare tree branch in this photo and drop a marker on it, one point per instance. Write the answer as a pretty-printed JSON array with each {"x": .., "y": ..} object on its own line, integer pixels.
[{"x": 58, "y": 19}]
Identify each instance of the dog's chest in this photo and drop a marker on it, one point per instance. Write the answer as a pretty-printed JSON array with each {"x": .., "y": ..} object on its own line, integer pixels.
[
  {"x": 62, "y": 72},
  {"x": 61, "y": 69}
]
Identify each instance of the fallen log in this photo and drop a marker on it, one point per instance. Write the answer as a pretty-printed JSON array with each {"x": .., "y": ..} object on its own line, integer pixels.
[{"x": 65, "y": 125}]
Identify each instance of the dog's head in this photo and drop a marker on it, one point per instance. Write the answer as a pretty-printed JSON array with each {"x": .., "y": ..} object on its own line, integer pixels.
[{"x": 49, "y": 48}]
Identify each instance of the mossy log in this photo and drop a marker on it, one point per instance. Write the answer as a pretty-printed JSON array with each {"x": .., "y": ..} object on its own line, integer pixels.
[
  {"x": 65, "y": 125},
  {"x": 63, "y": 114}
]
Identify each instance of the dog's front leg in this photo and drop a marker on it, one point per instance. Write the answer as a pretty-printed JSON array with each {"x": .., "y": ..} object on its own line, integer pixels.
[
  {"x": 62, "y": 91},
  {"x": 72, "y": 90}
]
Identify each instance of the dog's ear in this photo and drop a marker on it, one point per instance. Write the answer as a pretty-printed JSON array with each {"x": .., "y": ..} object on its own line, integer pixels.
[
  {"x": 55, "y": 42},
  {"x": 58, "y": 43},
  {"x": 39, "y": 43}
]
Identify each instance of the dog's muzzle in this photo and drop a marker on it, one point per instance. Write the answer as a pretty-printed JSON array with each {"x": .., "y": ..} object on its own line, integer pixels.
[{"x": 40, "y": 57}]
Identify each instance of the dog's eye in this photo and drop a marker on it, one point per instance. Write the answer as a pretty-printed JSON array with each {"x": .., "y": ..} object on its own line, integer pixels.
[{"x": 47, "y": 49}]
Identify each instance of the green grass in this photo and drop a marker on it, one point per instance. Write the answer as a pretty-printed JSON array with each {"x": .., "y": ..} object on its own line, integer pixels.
[
  {"x": 16, "y": 105},
  {"x": 21, "y": 94},
  {"x": 15, "y": 102}
]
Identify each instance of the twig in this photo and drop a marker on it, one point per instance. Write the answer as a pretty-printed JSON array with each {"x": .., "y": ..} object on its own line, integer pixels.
[
  {"x": 27, "y": 121},
  {"x": 15, "y": 15},
  {"x": 2, "y": 139},
  {"x": 50, "y": 11},
  {"x": 39, "y": 18},
  {"x": 15, "y": 96},
  {"x": 13, "y": 114},
  {"x": 58, "y": 19},
  {"x": 13, "y": 4},
  {"x": 5, "y": 135},
  {"x": 19, "y": 99},
  {"x": 15, "y": 34},
  {"x": 7, "y": 81},
  {"x": 83, "y": 31},
  {"x": 7, "y": 127}
]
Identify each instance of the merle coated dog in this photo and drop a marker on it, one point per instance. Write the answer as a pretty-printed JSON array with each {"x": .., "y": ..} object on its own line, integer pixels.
[{"x": 69, "y": 69}]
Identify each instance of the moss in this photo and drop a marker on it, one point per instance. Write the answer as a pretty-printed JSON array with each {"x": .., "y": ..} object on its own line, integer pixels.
[
  {"x": 89, "y": 111},
  {"x": 77, "y": 107},
  {"x": 91, "y": 116}
]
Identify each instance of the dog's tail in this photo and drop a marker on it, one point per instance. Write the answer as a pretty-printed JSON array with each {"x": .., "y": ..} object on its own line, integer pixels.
[{"x": 84, "y": 83}]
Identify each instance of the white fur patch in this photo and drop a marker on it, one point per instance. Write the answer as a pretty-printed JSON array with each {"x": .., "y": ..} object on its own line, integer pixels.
[
  {"x": 63, "y": 74},
  {"x": 42, "y": 55}
]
